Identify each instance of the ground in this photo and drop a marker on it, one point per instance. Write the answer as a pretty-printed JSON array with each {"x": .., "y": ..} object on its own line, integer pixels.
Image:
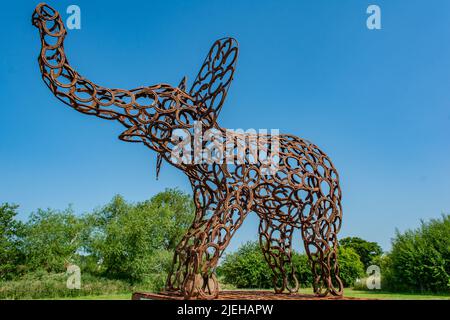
[{"x": 347, "y": 293}]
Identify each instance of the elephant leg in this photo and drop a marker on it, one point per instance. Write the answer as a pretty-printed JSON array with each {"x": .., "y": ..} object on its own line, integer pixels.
[
  {"x": 206, "y": 204},
  {"x": 321, "y": 245},
  {"x": 275, "y": 239},
  {"x": 198, "y": 253},
  {"x": 201, "y": 281},
  {"x": 178, "y": 271}
]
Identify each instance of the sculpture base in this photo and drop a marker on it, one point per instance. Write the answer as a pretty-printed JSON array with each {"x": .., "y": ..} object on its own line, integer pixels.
[{"x": 240, "y": 295}]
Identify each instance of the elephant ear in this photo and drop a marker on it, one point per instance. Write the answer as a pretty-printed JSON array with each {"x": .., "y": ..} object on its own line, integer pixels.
[
  {"x": 159, "y": 159},
  {"x": 211, "y": 86}
]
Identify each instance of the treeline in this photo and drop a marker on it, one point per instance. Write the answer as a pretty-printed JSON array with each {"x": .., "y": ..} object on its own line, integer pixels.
[
  {"x": 126, "y": 246},
  {"x": 420, "y": 259},
  {"x": 247, "y": 268},
  {"x": 419, "y": 262},
  {"x": 117, "y": 247}
]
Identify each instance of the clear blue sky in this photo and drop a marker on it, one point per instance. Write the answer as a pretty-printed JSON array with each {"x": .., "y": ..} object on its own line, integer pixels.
[{"x": 378, "y": 102}]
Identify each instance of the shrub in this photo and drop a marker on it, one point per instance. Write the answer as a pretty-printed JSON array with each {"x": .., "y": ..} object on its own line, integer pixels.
[
  {"x": 134, "y": 242},
  {"x": 302, "y": 270},
  {"x": 420, "y": 259},
  {"x": 51, "y": 239},
  {"x": 11, "y": 257},
  {"x": 246, "y": 268},
  {"x": 383, "y": 262},
  {"x": 367, "y": 251},
  {"x": 350, "y": 265}
]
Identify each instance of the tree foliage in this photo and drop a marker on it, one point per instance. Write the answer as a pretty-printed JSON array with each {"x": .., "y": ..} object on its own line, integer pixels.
[
  {"x": 11, "y": 231},
  {"x": 135, "y": 241},
  {"x": 130, "y": 241},
  {"x": 52, "y": 239},
  {"x": 247, "y": 268},
  {"x": 420, "y": 259},
  {"x": 367, "y": 251},
  {"x": 350, "y": 266}
]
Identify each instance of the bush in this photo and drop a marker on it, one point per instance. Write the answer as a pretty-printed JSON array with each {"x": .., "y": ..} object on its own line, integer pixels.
[
  {"x": 11, "y": 257},
  {"x": 367, "y": 251},
  {"x": 350, "y": 265},
  {"x": 247, "y": 268},
  {"x": 420, "y": 259},
  {"x": 383, "y": 263},
  {"x": 51, "y": 239},
  {"x": 134, "y": 242},
  {"x": 302, "y": 270}
]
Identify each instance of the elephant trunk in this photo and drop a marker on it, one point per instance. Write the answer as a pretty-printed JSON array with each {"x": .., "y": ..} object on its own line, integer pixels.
[
  {"x": 52, "y": 59},
  {"x": 136, "y": 108},
  {"x": 67, "y": 84}
]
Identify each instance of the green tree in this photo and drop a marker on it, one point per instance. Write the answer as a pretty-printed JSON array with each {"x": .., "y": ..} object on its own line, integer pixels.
[
  {"x": 246, "y": 268},
  {"x": 420, "y": 259},
  {"x": 52, "y": 238},
  {"x": 10, "y": 242},
  {"x": 366, "y": 250},
  {"x": 302, "y": 269},
  {"x": 135, "y": 241},
  {"x": 177, "y": 212},
  {"x": 350, "y": 266}
]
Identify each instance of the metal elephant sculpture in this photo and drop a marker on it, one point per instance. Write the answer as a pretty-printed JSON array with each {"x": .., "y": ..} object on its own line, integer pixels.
[{"x": 302, "y": 194}]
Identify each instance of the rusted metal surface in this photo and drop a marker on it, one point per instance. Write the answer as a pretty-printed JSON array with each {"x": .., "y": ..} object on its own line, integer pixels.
[
  {"x": 303, "y": 194},
  {"x": 243, "y": 295}
]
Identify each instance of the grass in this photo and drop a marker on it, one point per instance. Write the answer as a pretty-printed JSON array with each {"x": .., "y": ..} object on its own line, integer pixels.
[
  {"x": 376, "y": 294},
  {"x": 117, "y": 296},
  {"x": 348, "y": 293}
]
